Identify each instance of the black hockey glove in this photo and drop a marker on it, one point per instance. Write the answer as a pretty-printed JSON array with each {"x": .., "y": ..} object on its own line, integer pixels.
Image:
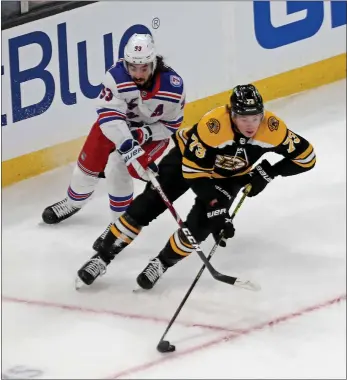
[
  {"x": 228, "y": 233},
  {"x": 217, "y": 202},
  {"x": 219, "y": 220},
  {"x": 260, "y": 176}
]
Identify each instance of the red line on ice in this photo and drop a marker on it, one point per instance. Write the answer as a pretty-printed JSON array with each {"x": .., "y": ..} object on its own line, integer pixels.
[
  {"x": 231, "y": 333},
  {"x": 114, "y": 313},
  {"x": 235, "y": 334}
]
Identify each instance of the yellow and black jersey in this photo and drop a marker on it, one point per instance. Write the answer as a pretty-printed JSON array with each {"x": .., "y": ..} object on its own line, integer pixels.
[{"x": 213, "y": 148}]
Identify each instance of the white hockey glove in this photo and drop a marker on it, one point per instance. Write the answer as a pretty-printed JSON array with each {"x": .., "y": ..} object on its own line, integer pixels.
[{"x": 136, "y": 159}]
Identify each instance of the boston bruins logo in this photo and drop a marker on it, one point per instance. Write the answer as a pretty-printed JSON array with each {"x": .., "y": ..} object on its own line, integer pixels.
[
  {"x": 273, "y": 123},
  {"x": 213, "y": 125},
  {"x": 230, "y": 162}
]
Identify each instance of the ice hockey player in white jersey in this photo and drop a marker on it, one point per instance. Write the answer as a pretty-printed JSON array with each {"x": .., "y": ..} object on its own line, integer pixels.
[{"x": 138, "y": 109}]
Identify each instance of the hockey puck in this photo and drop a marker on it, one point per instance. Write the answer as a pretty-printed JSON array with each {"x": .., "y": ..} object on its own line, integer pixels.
[{"x": 165, "y": 346}]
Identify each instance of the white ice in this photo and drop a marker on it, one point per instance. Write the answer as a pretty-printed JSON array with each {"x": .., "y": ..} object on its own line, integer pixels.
[{"x": 291, "y": 239}]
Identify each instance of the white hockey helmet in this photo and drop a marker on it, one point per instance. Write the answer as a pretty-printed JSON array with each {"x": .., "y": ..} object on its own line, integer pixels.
[{"x": 140, "y": 50}]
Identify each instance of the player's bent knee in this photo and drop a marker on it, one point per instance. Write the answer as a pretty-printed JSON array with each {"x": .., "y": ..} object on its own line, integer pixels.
[{"x": 146, "y": 207}]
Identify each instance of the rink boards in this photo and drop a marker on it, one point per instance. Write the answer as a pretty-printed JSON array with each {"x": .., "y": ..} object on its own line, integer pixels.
[{"x": 52, "y": 68}]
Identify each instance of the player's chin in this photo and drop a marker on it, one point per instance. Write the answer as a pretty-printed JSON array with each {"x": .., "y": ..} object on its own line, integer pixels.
[
  {"x": 140, "y": 82},
  {"x": 250, "y": 134}
]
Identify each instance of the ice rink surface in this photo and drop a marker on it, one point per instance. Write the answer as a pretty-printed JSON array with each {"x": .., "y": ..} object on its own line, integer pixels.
[{"x": 291, "y": 239}]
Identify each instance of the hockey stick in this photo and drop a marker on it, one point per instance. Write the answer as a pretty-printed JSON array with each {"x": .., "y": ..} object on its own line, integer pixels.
[
  {"x": 215, "y": 274},
  {"x": 165, "y": 346}
]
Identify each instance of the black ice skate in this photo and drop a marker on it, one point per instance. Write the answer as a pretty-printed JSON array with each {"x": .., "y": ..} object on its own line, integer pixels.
[
  {"x": 151, "y": 274},
  {"x": 58, "y": 212},
  {"x": 100, "y": 239},
  {"x": 92, "y": 269}
]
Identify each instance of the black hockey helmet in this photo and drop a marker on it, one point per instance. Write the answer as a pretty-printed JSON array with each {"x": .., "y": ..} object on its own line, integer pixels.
[{"x": 246, "y": 100}]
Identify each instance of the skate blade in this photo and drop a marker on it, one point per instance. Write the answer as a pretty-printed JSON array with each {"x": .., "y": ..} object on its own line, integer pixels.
[
  {"x": 78, "y": 283},
  {"x": 249, "y": 285},
  {"x": 140, "y": 290}
]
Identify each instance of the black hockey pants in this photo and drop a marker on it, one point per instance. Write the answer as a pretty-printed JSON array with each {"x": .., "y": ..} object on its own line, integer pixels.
[{"x": 148, "y": 206}]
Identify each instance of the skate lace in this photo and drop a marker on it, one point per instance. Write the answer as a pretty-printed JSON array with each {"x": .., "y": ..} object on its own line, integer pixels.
[
  {"x": 63, "y": 208},
  {"x": 96, "y": 267},
  {"x": 154, "y": 270}
]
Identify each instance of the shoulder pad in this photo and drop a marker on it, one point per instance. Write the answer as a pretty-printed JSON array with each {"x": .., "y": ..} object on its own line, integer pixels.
[
  {"x": 171, "y": 82},
  {"x": 214, "y": 128},
  {"x": 272, "y": 130},
  {"x": 121, "y": 77}
]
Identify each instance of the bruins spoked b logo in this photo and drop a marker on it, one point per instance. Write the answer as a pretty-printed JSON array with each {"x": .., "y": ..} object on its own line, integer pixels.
[
  {"x": 273, "y": 123},
  {"x": 213, "y": 125},
  {"x": 230, "y": 162}
]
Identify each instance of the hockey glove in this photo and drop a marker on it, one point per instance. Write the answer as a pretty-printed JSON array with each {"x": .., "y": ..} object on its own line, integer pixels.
[
  {"x": 261, "y": 176},
  {"x": 219, "y": 220},
  {"x": 136, "y": 159},
  {"x": 142, "y": 135}
]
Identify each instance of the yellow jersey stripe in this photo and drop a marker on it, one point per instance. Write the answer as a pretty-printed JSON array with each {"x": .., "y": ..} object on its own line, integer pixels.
[
  {"x": 196, "y": 175},
  {"x": 181, "y": 143},
  {"x": 184, "y": 132},
  {"x": 305, "y": 153},
  {"x": 306, "y": 165},
  {"x": 193, "y": 165}
]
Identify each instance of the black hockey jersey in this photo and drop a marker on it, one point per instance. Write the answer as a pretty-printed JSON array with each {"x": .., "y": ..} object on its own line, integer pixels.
[{"x": 213, "y": 147}]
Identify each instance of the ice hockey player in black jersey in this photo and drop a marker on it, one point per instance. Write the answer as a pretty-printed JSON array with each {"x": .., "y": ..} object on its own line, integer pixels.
[{"x": 214, "y": 158}]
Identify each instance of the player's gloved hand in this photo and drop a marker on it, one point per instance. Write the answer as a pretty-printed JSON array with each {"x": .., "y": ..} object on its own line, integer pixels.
[
  {"x": 218, "y": 201},
  {"x": 260, "y": 176},
  {"x": 227, "y": 233},
  {"x": 142, "y": 135},
  {"x": 219, "y": 220},
  {"x": 136, "y": 159}
]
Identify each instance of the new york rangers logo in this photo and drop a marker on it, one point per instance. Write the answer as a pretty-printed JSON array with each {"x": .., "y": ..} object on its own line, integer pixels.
[{"x": 175, "y": 81}]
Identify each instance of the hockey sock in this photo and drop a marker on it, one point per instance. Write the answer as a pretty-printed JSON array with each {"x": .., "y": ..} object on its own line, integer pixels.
[
  {"x": 77, "y": 199},
  {"x": 119, "y": 204},
  {"x": 120, "y": 235},
  {"x": 175, "y": 249}
]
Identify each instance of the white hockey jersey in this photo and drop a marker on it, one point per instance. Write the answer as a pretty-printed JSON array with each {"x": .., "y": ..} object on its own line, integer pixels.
[{"x": 123, "y": 106}]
